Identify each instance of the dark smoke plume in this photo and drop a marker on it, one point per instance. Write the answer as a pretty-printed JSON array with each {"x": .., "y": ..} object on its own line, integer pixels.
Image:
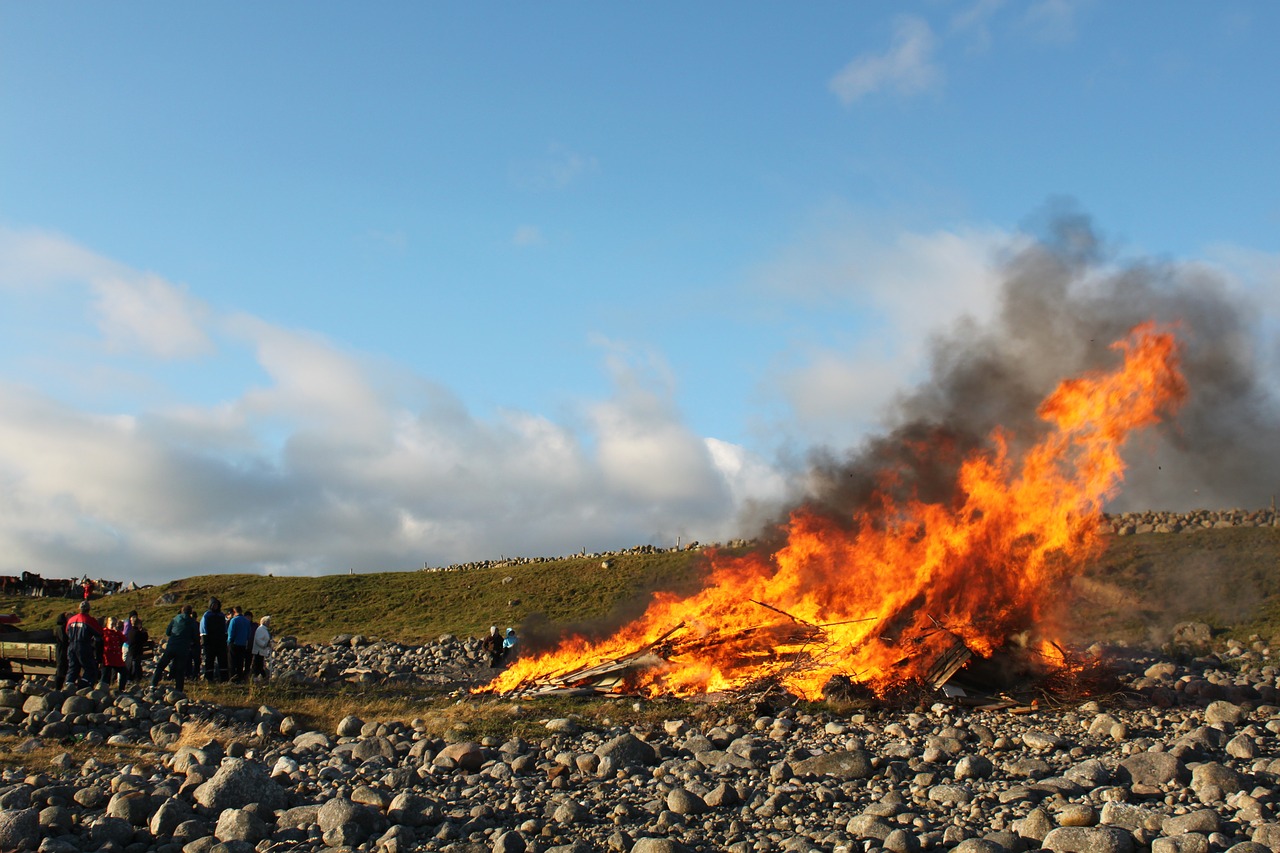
[{"x": 1061, "y": 306}]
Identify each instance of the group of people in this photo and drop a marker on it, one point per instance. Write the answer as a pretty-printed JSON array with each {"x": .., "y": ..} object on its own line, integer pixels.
[
  {"x": 499, "y": 646},
  {"x": 233, "y": 648},
  {"x": 93, "y": 653}
]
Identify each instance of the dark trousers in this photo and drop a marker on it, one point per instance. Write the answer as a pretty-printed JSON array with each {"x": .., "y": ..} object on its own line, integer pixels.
[
  {"x": 82, "y": 664},
  {"x": 239, "y": 662},
  {"x": 178, "y": 659},
  {"x": 110, "y": 674},
  {"x": 60, "y": 674},
  {"x": 133, "y": 666},
  {"x": 216, "y": 667}
]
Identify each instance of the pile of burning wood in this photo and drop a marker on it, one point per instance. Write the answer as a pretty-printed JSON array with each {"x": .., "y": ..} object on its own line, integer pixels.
[{"x": 937, "y": 663}]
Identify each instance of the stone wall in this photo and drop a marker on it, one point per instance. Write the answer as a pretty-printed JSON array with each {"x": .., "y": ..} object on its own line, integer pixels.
[{"x": 1157, "y": 521}]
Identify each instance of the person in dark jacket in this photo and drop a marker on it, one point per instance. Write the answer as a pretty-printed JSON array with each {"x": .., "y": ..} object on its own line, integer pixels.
[
  {"x": 84, "y": 648},
  {"x": 213, "y": 638},
  {"x": 60, "y": 643},
  {"x": 135, "y": 642},
  {"x": 183, "y": 634}
]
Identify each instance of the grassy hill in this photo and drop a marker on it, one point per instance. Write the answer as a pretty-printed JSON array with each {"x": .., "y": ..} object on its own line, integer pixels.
[{"x": 1143, "y": 585}]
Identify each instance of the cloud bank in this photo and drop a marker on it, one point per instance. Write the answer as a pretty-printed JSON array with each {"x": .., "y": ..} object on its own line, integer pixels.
[
  {"x": 335, "y": 461},
  {"x": 326, "y": 459}
]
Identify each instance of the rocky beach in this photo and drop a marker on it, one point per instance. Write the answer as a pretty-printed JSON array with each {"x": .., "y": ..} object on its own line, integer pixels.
[{"x": 1182, "y": 758}]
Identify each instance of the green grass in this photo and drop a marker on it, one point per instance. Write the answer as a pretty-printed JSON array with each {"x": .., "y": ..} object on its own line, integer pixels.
[
  {"x": 1145, "y": 584},
  {"x": 1140, "y": 588},
  {"x": 408, "y": 607}
]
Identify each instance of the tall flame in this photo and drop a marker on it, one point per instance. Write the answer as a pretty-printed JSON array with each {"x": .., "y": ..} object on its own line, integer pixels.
[{"x": 877, "y": 587}]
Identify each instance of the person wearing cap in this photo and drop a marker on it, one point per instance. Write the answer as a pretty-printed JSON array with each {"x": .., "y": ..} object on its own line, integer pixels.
[
  {"x": 213, "y": 639},
  {"x": 262, "y": 647},
  {"x": 182, "y": 634},
  {"x": 84, "y": 648}
]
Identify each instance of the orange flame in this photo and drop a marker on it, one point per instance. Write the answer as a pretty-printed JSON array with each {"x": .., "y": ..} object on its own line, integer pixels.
[{"x": 867, "y": 597}]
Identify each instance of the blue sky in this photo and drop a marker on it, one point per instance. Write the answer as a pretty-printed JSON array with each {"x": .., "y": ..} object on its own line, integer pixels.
[{"x": 303, "y": 288}]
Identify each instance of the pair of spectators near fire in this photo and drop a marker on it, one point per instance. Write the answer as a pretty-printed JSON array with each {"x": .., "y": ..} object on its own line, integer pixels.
[
  {"x": 250, "y": 645},
  {"x": 500, "y": 647}
]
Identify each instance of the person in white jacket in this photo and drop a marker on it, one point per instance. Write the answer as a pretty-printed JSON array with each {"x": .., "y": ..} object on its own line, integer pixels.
[{"x": 262, "y": 647}]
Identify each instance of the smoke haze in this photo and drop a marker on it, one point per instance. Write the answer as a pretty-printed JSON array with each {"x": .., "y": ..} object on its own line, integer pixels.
[{"x": 1061, "y": 305}]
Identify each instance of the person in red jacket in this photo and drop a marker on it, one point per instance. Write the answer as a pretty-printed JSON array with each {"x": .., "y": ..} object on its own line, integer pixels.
[
  {"x": 112, "y": 654},
  {"x": 84, "y": 648}
]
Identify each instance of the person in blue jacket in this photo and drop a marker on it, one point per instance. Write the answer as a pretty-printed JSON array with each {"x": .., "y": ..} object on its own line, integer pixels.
[{"x": 239, "y": 640}]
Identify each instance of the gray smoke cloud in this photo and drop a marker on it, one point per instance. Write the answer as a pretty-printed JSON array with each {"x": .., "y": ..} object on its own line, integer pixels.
[{"x": 1064, "y": 301}]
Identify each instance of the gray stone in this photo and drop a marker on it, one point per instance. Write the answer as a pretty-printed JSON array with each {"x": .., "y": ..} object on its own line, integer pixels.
[
  {"x": 339, "y": 812},
  {"x": 509, "y": 842},
  {"x": 685, "y": 802},
  {"x": 133, "y": 806},
  {"x": 20, "y": 829},
  {"x": 171, "y": 813},
  {"x": 111, "y": 830},
  {"x": 978, "y": 845},
  {"x": 1223, "y": 712},
  {"x": 658, "y": 845},
  {"x": 312, "y": 740},
  {"x": 1189, "y": 843},
  {"x": 349, "y": 726},
  {"x": 1089, "y": 774},
  {"x": 56, "y": 819},
  {"x": 1203, "y": 821},
  {"x": 627, "y": 750},
  {"x": 1096, "y": 839},
  {"x": 467, "y": 756},
  {"x": 1212, "y": 781},
  {"x": 1041, "y": 740},
  {"x": 240, "y": 825},
  {"x": 239, "y": 783},
  {"x": 843, "y": 764},
  {"x": 1154, "y": 769},
  {"x": 974, "y": 767},
  {"x": 1129, "y": 816}
]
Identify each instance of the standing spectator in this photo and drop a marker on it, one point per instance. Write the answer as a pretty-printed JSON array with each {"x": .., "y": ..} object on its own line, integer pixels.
[
  {"x": 262, "y": 647},
  {"x": 213, "y": 637},
  {"x": 135, "y": 645},
  {"x": 239, "y": 639},
  {"x": 112, "y": 654},
  {"x": 84, "y": 648},
  {"x": 60, "y": 643},
  {"x": 193, "y": 663},
  {"x": 509, "y": 643},
  {"x": 183, "y": 634},
  {"x": 493, "y": 645}
]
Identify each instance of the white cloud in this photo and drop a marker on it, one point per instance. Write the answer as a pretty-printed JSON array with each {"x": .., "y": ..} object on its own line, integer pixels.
[
  {"x": 973, "y": 22},
  {"x": 527, "y": 235},
  {"x": 327, "y": 459},
  {"x": 1053, "y": 20},
  {"x": 144, "y": 313},
  {"x": 135, "y": 311},
  {"x": 904, "y": 287},
  {"x": 558, "y": 169},
  {"x": 906, "y": 68}
]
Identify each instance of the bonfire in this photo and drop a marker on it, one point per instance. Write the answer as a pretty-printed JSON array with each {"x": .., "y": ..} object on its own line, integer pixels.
[{"x": 903, "y": 591}]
